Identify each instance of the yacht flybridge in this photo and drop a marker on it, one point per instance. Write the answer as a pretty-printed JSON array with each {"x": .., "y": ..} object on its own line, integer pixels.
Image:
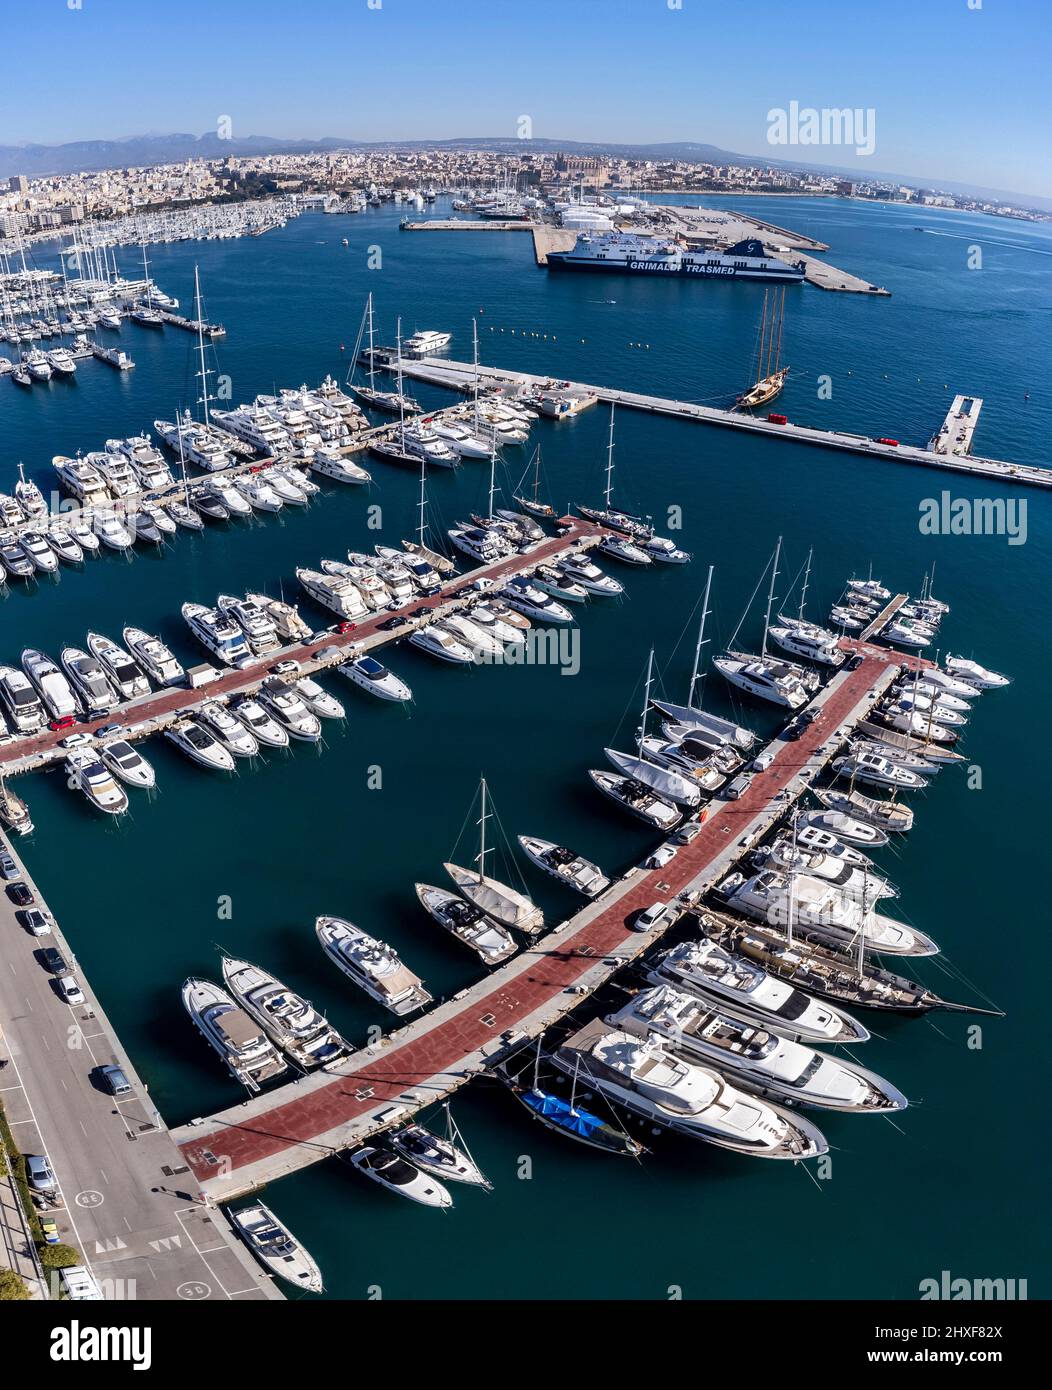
[
  {"x": 55, "y": 691},
  {"x": 124, "y": 672},
  {"x": 650, "y": 1081},
  {"x": 372, "y": 965},
  {"x": 758, "y": 1060},
  {"x": 291, "y": 1023},
  {"x": 89, "y": 775},
  {"x": 244, "y": 1047},
  {"x": 154, "y": 657}
]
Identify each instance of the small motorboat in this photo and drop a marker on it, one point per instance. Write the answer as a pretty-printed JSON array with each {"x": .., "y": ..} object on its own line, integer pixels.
[{"x": 394, "y": 1173}]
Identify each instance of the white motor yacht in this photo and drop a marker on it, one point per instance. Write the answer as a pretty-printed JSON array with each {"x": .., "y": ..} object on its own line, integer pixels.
[
  {"x": 263, "y": 728},
  {"x": 85, "y": 772},
  {"x": 285, "y": 617},
  {"x": 217, "y": 634},
  {"x": 287, "y": 707},
  {"x": 520, "y": 594},
  {"x": 437, "y": 641},
  {"x": 776, "y": 681},
  {"x": 971, "y": 673},
  {"x": 276, "y": 1248},
  {"x": 843, "y": 827},
  {"x": 38, "y": 551},
  {"x": 285, "y": 486},
  {"x": 115, "y": 471},
  {"x": 371, "y": 964},
  {"x": 290, "y": 1021},
  {"x": 58, "y": 696},
  {"x": 230, "y": 731},
  {"x": 822, "y": 909},
  {"x": 329, "y": 462},
  {"x": 229, "y": 497},
  {"x": 90, "y": 680},
  {"x": 639, "y": 800},
  {"x": 85, "y": 537},
  {"x": 258, "y": 492},
  {"x": 623, "y": 549},
  {"x": 82, "y": 479},
  {"x": 153, "y": 656},
  {"x": 759, "y": 1060},
  {"x": 705, "y": 968},
  {"x": 248, "y": 1053},
  {"x": 394, "y": 1173},
  {"x": 484, "y": 544},
  {"x": 468, "y": 923},
  {"x": 253, "y": 620},
  {"x": 367, "y": 673},
  {"x": 851, "y": 878},
  {"x": 811, "y": 642},
  {"x": 21, "y": 702},
  {"x": 665, "y": 550},
  {"x": 112, "y": 532},
  {"x": 562, "y": 864},
  {"x": 336, "y": 592},
  {"x": 482, "y": 644},
  {"x": 590, "y": 577},
  {"x": 873, "y": 770},
  {"x": 68, "y": 550},
  {"x": 317, "y": 699},
  {"x": 124, "y": 672},
  {"x": 649, "y": 1080},
  {"x": 200, "y": 745},
  {"x": 460, "y": 439},
  {"x": 127, "y": 764}
]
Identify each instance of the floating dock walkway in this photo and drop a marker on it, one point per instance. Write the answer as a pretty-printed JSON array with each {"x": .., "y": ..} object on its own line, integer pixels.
[
  {"x": 286, "y": 1129},
  {"x": 150, "y": 714},
  {"x": 460, "y": 376}
]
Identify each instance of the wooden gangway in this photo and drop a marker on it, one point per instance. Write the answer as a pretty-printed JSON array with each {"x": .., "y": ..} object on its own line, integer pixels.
[{"x": 880, "y": 622}]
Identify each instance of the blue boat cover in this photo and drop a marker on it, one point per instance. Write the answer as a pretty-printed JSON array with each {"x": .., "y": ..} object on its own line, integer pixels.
[{"x": 559, "y": 1112}]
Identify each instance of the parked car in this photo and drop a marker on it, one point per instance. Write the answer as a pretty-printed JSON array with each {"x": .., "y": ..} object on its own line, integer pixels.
[
  {"x": 663, "y": 855},
  {"x": 114, "y": 1080},
  {"x": 75, "y": 741},
  {"x": 688, "y": 831},
  {"x": 39, "y": 1174},
  {"x": 108, "y": 729},
  {"x": 285, "y": 668},
  {"x": 389, "y": 624},
  {"x": 20, "y": 894},
  {"x": 52, "y": 959},
  {"x": 69, "y": 991},
  {"x": 34, "y": 921},
  {"x": 656, "y": 915},
  {"x": 8, "y": 868},
  {"x": 67, "y": 721}
]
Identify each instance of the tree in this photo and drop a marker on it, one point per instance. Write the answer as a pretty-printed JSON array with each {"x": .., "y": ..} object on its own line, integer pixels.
[
  {"x": 59, "y": 1256},
  {"x": 12, "y": 1288}
]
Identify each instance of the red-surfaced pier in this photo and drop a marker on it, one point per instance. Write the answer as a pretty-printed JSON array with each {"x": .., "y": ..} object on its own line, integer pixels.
[{"x": 256, "y": 1141}]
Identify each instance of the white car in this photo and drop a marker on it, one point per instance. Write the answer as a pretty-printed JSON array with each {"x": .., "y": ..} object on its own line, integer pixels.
[
  {"x": 74, "y": 741},
  {"x": 70, "y": 991},
  {"x": 285, "y": 668},
  {"x": 656, "y": 915},
  {"x": 663, "y": 855}
]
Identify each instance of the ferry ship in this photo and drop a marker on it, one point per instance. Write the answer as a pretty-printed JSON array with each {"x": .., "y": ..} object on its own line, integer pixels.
[{"x": 643, "y": 255}]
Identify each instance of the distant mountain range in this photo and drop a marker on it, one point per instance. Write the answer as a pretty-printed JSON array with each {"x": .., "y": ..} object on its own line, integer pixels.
[{"x": 140, "y": 151}]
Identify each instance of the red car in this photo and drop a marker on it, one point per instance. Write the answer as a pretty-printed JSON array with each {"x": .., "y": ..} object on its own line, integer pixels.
[
  {"x": 66, "y": 722},
  {"x": 893, "y": 442}
]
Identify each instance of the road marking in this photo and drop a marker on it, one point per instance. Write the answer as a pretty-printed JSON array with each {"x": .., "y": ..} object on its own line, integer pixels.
[
  {"x": 167, "y": 1243},
  {"x": 109, "y": 1244},
  {"x": 89, "y": 1199}
]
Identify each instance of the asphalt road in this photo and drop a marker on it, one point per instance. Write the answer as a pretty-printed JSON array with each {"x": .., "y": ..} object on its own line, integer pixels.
[{"x": 128, "y": 1202}]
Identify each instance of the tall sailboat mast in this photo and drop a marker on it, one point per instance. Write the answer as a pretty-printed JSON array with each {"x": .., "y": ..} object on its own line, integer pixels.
[
  {"x": 401, "y": 398},
  {"x": 483, "y": 817},
  {"x": 201, "y": 344},
  {"x": 646, "y": 704},
  {"x": 770, "y": 594},
  {"x": 694, "y": 675},
  {"x": 803, "y": 591},
  {"x": 610, "y": 460}
]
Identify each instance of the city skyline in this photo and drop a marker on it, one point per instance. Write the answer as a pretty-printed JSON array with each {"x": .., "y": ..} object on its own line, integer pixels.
[{"x": 331, "y": 76}]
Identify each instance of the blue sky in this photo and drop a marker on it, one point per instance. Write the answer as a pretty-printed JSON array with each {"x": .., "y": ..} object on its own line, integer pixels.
[{"x": 959, "y": 93}]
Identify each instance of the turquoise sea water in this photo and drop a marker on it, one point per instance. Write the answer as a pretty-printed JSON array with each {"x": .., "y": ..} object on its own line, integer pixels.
[{"x": 955, "y": 1182}]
